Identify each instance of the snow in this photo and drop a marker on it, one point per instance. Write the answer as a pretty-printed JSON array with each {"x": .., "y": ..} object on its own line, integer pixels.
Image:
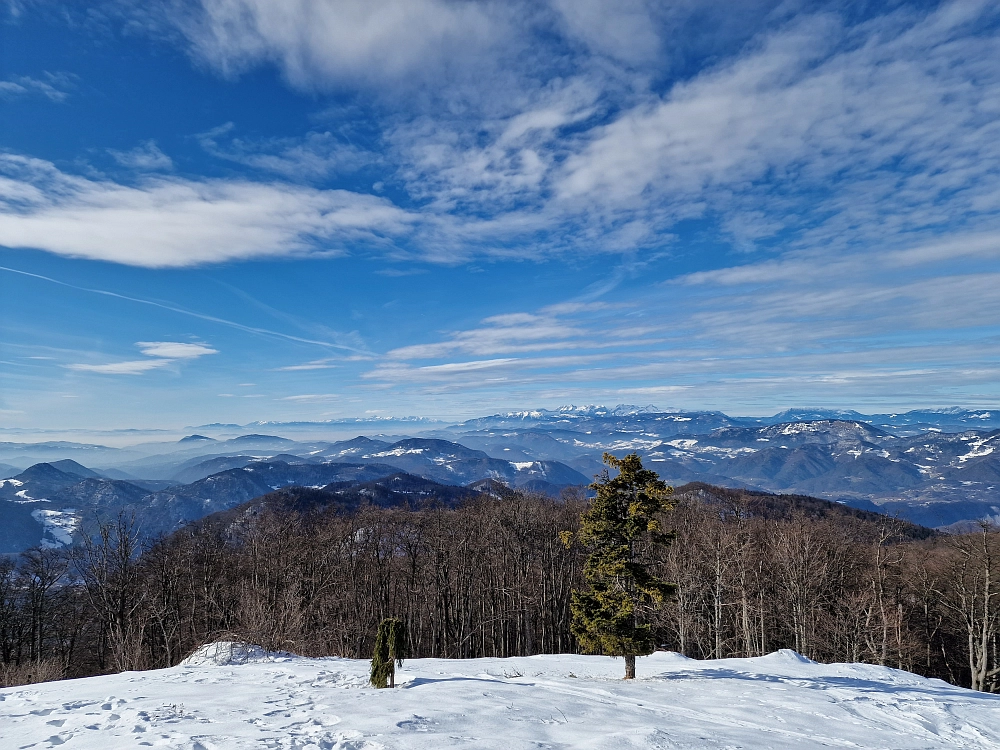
[
  {"x": 229, "y": 653},
  {"x": 397, "y": 452},
  {"x": 11, "y": 482},
  {"x": 57, "y": 526},
  {"x": 683, "y": 446},
  {"x": 683, "y": 443},
  {"x": 24, "y": 497},
  {"x": 522, "y": 465},
  {"x": 631, "y": 445},
  {"x": 230, "y": 696},
  {"x": 979, "y": 448}
]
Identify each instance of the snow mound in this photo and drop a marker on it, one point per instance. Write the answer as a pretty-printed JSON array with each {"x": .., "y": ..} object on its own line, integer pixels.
[
  {"x": 789, "y": 656},
  {"x": 228, "y": 653}
]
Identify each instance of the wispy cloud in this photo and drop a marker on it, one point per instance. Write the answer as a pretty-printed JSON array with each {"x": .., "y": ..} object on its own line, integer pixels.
[
  {"x": 840, "y": 134},
  {"x": 838, "y": 165},
  {"x": 55, "y": 86},
  {"x": 501, "y": 334},
  {"x": 320, "y": 44},
  {"x": 312, "y": 398},
  {"x": 316, "y": 364},
  {"x": 130, "y": 367},
  {"x": 315, "y": 156},
  {"x": 145, "y": 156},
  {"x": 160, "y": 353},
  {"x": 819, "y": 132},
  {"x": 909, "y": 325},
  {"x": 174, "y": 349}
]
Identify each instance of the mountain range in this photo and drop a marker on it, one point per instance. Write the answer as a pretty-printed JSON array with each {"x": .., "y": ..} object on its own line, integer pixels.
[{"x": 936, "y": 468}]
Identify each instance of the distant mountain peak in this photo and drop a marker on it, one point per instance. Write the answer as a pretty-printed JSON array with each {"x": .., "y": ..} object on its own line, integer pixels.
[
  {"x": 621, "y": 410},
  {"x": 69, "y": 466},
  {"x": 258, "y": 438}
]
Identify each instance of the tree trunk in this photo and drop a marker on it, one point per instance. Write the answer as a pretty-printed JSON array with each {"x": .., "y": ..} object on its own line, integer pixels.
[
  {"x": 392, "y": 676},
  {"x": 630, "y": 667}
]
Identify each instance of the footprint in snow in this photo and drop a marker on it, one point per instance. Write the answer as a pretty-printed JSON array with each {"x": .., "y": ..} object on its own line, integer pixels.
[{"x": 417, "y": 724}]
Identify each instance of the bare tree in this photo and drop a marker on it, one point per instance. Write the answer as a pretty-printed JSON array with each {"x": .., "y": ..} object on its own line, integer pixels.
[
  {"x": 109, "y": 567},
  {"x": 970, "y": 594}
]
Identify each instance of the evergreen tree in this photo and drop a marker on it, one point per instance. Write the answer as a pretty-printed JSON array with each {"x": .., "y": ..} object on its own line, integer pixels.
[
  {"x": 617, "y": 528},
  {"x": 390, "y": 650}
]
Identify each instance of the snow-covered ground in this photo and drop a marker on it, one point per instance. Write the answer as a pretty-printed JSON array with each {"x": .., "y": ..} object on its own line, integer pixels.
[{"x": 272, "y": 701}]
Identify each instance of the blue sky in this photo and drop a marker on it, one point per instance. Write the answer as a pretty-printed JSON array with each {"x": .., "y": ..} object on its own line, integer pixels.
[{"x": 232, "y": 210}]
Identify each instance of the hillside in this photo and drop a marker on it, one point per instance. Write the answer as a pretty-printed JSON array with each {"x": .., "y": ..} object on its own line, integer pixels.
[
  {"x": 225, "y": 698},
  {"x": 783, "y": 507}
]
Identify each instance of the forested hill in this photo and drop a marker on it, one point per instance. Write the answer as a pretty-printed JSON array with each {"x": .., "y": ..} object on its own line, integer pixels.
[
  {"x": 402, "y": 490},
  {"x": 782, "y": 507},
  {"x": 399, "y": 490}
]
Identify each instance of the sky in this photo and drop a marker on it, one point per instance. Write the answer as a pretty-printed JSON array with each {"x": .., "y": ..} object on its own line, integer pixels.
[{"x": 299, "y": 210}]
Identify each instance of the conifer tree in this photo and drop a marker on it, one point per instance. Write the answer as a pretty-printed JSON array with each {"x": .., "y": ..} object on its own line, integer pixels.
[
  {"x": 618, "y": 526},
  {"x": 390, "y": 650}
]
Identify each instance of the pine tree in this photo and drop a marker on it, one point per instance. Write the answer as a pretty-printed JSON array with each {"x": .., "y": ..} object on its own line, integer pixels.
[
  {"x": 619, "y": 525},
  {"x": 390, "y": 650}
]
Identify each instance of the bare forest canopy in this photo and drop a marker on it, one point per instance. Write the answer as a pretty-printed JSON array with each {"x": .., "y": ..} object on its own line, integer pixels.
[{"x": 490, "y": 577}]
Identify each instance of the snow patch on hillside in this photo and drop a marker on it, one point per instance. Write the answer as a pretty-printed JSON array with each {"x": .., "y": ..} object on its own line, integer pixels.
[
  {"x": 228, "y": 696},
  {"x": 57, "y": 526}
]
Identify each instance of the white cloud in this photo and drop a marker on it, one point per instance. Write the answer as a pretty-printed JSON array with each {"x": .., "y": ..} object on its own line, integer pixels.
[
  {"x": 318, "y": 43},
  {"x": 625, "y": 29},
  {"x": 820, "y": 123},
  {"x": 146, "y": 156},
  {"x": 817, "y": 134},
  {"x": 174, "y": 349},
  {"x": 161, "y": 353},
  {"x": 447, "y": 163},
  {"x": 168, "y": 222}
]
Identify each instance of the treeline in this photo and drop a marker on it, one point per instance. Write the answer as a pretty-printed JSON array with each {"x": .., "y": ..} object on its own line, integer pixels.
[{"x": 493, "y": 578}]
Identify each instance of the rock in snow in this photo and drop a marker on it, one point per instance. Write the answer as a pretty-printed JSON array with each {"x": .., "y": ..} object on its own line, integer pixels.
[{"x": 229, "y": 696}]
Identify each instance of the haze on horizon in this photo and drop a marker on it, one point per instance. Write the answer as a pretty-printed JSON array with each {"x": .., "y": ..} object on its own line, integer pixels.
[{"x": 239, "y": 210}]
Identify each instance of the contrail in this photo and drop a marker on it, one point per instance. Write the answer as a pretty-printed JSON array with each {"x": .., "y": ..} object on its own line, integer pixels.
[{"x": 190, "y": 313}]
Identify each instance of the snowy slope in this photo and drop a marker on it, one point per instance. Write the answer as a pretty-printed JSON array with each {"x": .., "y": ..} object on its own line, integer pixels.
[{"x": 273, "y": 701}]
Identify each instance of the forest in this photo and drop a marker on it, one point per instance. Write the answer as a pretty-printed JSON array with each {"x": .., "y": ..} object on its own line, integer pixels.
[{"x": 493, "y": 577}]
